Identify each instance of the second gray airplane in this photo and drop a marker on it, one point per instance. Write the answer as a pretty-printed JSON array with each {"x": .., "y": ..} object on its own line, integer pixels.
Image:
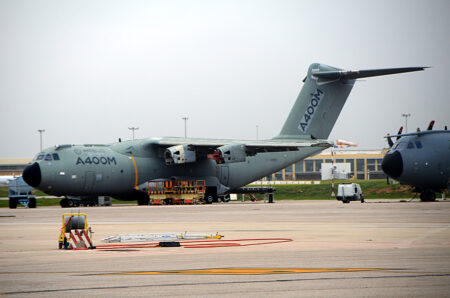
[
  {"x": 122, "y": 169},
  {"x": 420, "y": 159}
]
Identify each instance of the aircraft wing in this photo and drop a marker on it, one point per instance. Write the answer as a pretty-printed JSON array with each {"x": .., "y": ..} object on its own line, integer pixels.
[
  {"x": 418, "y": 133},
  {"x": 214, "y": 143},
  {"x": 181, "y": 150}
]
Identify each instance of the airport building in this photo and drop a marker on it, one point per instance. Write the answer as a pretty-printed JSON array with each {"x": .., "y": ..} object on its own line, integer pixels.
[
  {"x": 366, "y": 164},
  {"x": 363, "y": 165},
  {"x": 13, "y": 166}
]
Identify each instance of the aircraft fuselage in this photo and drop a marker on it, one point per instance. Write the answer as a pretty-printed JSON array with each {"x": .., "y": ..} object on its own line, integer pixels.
[
  {"x": 422, "y": 161},
  {"x": 119, "y": 169}
]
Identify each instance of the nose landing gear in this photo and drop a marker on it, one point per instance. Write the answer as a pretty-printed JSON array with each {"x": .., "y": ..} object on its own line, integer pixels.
[{"x": 428, "y": 196}]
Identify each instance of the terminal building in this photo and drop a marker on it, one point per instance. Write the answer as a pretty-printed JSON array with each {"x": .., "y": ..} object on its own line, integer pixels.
[
  {"x": 363, "y": 165},
  {"x": 13, "y": 166}
]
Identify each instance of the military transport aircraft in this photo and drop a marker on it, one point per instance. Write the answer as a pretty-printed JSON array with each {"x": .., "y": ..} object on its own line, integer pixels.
[
  {"x": 420, "y": 159},
  {"x": 122, "y": 169}
]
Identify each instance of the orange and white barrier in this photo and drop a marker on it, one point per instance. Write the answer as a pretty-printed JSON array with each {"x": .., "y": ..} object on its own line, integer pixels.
[{"x": 75, "y": 232}]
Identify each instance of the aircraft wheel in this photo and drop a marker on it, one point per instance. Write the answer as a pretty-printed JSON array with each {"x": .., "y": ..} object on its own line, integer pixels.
[
  {"x": 70, "y": 203},
  {"x": 32, "y": 203},
  {"x": 428, "y": 196},
  {"x": 209, "y": 199},
  {"x": 12, "y": 203},
  {"x": 143, "y": 201},
  {"x": 63, "y": 203},
  {"x": 345, "y": 201},
  {"x": 422, "y": 196},
  {"x": 226, "y": 198}
]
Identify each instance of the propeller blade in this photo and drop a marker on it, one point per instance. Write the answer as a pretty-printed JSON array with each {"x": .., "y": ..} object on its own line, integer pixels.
[
  {"x": 430, "y": 126},
  {"x": 390, "y": 141},
  {"x": 399, "y": 133}
]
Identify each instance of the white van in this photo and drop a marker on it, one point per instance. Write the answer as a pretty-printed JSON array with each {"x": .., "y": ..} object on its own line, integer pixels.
[{"x": 349, "y": 192}]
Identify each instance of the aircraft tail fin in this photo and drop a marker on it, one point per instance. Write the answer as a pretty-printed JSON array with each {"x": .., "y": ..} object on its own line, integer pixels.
[{"x": 322, "y": 98}]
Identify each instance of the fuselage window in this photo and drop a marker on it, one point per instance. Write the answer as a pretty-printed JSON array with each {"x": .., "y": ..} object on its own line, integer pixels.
[
  {"x": 40, "y": 157},
  {"x": 55, "y": 156},
  {"x": 48, "y": 157},
  {"x": 419, "y": 144},
  {"x": 410, "y": 145}
]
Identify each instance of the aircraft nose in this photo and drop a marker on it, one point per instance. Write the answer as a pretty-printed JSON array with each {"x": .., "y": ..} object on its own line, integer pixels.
[
  {"x": 32, "y": 175},
  {"x": 392, "y": 164}
]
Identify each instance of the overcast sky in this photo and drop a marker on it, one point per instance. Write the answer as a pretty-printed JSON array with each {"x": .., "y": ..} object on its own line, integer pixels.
[{"x": 85, "y": 71}]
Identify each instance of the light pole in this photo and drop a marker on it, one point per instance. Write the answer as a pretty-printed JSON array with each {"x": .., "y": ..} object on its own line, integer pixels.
[
  {"x": 257, "y": 128},
  {"x": 185, "y": 129},
  {"x": 40, "y": 137},
  {"x": 133, "y": 129},
  {"x": 406, "y": 121},
  {"x": 333, "y": 194}
]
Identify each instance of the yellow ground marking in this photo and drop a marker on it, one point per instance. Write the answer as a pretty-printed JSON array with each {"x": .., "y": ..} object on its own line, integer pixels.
[
  {"x": 245, "y": 271},
  {"x": 56, "y": 272},
  {"x": 220, "y": 271}
]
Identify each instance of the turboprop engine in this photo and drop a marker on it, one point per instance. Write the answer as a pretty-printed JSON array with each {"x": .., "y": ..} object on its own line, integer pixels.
[
  {"x": 180, "y": 154},
  {"x": 230, "y": 153}
]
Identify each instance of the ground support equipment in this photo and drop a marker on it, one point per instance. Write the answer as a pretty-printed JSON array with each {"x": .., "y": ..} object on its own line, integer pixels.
[
  {"x": 75, "y": 233},
  {"x": 125, "y": 238},
  {"x": 251, "y": 191},
  {"x": 178, "y": 192}
]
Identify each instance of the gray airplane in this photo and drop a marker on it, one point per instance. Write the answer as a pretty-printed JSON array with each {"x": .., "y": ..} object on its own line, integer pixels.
[
  {"x": 123, "y": 169},
  {"x": 420, "y": 159}
]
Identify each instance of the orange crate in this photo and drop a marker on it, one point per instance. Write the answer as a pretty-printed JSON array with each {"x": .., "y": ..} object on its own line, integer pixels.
[
  {"x": 189, "y": 201},
  {"x": 177, "y": 201},
  {"x": 156, "y": 201}
]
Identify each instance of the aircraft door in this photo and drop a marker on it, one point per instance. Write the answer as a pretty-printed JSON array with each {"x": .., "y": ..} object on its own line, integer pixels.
[
  {"x": 51, "y": 180},
  {"x": 90, "y": 181},
  {"x": 224, "y": 175}
]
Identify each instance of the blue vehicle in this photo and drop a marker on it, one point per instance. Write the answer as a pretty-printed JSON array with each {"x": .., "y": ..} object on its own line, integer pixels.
[{"x": 20, "y": 192}]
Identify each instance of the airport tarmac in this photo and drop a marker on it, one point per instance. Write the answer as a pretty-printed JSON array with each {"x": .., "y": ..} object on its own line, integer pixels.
[{"x": 388, "y": 248}]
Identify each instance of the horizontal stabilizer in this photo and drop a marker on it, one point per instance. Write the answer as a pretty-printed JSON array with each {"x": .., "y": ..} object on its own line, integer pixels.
[{"x": 357, "y": 74}]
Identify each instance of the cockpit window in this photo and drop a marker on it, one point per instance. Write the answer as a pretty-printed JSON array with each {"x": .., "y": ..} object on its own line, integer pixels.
[
  {"x": 410, "y": 145},
  {"x": 55, "y": 156},
  {"x": 40, "y": 157},
  {"x": 48, "y": 157},
  {"x": 400, "y": 145},
  {"x": 419, "y": 144}
]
